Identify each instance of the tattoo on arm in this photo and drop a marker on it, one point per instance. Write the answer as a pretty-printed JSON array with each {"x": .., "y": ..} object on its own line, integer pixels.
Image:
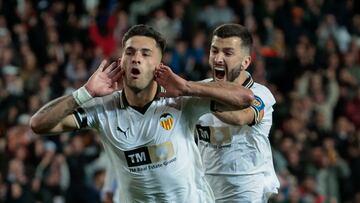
[
  {"x": 57, "y": 109},
  {"x": 53, "y": 103}
]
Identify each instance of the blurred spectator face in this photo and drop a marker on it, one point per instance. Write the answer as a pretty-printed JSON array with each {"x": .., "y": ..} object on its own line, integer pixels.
[
  {"x": 199, "y": 40},
  {"x": 349, "y": 59},
  {"x": 309, "y": 184},
  {"x": 21, "y": 153},
  {"x": 77, "y": 145},
  {"x": 334, "y": 60},
  {"x": 286, "y": 145},
  {"x": 342, "y": 125},
  {"x": 293, "y": 157},
  {"x": 178, "y": 10},
  {"x": 5, "y": 38},
  {"x": 181, "y": 47},
  {"x": 226, "y": 58},
  {"x": 316, "y": 153},
  {"x": 293, "y": 126},
  {"x": 7, "y": 55},
  {"x": 294, "y": 196},
  {"x": 16, "y": 171},
  {"x": 251, "y": 24},
  {"x": 221, "y": 3}
]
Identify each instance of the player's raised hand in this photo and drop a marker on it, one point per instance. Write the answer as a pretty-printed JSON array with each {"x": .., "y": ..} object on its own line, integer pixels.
[
  {"x": 105, "y": 80},
  {"x": 174, "y": 85}
]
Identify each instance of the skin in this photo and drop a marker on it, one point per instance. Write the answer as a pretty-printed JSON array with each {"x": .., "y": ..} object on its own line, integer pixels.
[
  {"x": 229, "y": 55},
  {"x": 141, "y": 56},
  {"x": 139, "y": 71}
]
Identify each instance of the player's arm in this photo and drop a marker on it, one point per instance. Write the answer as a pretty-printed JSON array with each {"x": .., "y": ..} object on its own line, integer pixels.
[
  {"x": 249, "y": 116},
  {"x": 233, "y": 95},
  {"x": 57, "y": 116}
]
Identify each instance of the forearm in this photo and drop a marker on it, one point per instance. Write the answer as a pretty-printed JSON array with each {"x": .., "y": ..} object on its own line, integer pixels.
[
  {"x": 52, "y": 114},
  {"x": 227, "y": 93},
  {"x": 239, "y": 118}
]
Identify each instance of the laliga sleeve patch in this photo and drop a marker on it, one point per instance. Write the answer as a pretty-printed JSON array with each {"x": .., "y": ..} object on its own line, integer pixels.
[{"x": 258, "y": 107}]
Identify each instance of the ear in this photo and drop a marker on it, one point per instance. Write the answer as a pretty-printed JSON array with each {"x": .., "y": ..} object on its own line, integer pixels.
[{"x": 246, "y": 62}]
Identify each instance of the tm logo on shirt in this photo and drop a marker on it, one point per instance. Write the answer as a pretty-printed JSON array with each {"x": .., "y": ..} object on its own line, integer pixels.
[{"x": 150, "y": 154}]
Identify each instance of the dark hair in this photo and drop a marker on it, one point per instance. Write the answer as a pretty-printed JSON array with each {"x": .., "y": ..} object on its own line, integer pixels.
[
  {"x": 235, "y": 30},
  {"x": 147, "y": 31}
]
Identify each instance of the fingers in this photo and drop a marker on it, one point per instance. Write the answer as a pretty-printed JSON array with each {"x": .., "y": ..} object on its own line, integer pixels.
[
  {"x": 102, "y": 65},
  {"x": 118, "y": 76},
  {"x": 161, "y": 70},
  {"x": 119, "y": 62},
  {"x": 112, "y": 69}
]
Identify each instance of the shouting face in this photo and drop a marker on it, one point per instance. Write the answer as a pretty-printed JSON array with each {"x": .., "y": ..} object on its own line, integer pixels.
[
  {"x": 227, "y": 58},
  {"x": 140, "y": 57}
]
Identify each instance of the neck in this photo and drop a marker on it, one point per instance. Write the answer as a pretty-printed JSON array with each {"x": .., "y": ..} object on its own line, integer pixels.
[
  {"x": 142, "y": 97},
  {"x": 242, "y": 77}
]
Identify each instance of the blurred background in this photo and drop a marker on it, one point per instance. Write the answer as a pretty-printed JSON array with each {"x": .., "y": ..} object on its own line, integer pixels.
[{"x": 305, "y": 51}]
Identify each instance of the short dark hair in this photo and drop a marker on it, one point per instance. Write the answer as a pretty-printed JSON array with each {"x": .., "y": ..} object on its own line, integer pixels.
[
  {"x": 235, "y": 30},
  {"x": 147, "y": 31}
]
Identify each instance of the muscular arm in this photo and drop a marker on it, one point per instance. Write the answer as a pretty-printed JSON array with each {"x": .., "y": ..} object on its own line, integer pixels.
[
  {"x": 233, "y": 95},
  {"x": 249, "y": 116},
  {"x": 242, "y": 117},
  {"x": 57, "y": 117}
]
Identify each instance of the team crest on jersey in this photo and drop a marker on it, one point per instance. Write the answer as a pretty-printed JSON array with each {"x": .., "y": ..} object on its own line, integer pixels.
[{"x": 166, "y": 121}]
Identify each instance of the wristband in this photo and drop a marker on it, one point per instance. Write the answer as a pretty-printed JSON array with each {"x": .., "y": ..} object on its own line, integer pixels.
[{"x": 81, "y": 95}]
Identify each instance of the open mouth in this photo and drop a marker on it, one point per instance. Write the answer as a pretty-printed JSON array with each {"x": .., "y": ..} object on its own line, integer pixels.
[
  {"x": 219, "y": 73},
  {"x": 135, "y": 72}
]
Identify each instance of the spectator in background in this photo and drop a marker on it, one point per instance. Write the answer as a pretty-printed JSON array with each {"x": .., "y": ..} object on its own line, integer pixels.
[{"x": 216, "y": 14}]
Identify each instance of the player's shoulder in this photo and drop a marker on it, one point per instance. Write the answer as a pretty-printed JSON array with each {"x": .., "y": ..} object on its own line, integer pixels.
[
  {"x": 263, "y": 92},
  {"x": 108, "y": 100}
]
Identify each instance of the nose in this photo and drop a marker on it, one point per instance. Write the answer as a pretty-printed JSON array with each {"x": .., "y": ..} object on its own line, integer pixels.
[
  {"x": 219, "y": 59},
  {"x": 136, "y": 58}
]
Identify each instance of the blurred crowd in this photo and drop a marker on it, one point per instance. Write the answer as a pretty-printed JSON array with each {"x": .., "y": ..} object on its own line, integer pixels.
[{"x": 305, "y": 51}]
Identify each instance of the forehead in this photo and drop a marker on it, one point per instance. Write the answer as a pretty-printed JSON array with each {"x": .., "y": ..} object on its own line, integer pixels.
[
  {"x": 229, "y": 42},
  {"x": 141, "y": 42}
]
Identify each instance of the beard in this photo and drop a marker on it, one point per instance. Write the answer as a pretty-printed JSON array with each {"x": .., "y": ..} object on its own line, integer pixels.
[{"x": 234, "y": 73}]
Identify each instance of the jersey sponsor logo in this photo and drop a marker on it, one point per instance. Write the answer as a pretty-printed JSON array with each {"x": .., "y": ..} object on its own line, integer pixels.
[
  {"x": 166, "y": 121},
  {"x": 150, "y": 154},
  {"x": 214, "y": 135}
]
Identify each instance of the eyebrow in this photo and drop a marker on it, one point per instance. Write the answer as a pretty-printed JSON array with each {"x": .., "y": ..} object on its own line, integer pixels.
[
  {"x": 224, "y": 49},
  {"x": 228, "y": 49},
  {"x": 142, "y": 49}
]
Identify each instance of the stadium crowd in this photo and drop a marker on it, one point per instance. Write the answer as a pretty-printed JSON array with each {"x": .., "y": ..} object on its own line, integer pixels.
[{"x": 306, "y": 52}]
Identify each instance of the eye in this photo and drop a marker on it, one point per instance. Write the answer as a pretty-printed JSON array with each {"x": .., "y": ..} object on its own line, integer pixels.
[
  {"x": 129, "y": 52},
  {"x": 214, "y": 51},
  {"x": 228, "y": 53}
]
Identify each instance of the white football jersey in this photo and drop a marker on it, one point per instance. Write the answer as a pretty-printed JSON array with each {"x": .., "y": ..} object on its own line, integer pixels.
[
  {"x": 154, "y": 154},
  {"x": 239, "y": 150}
]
